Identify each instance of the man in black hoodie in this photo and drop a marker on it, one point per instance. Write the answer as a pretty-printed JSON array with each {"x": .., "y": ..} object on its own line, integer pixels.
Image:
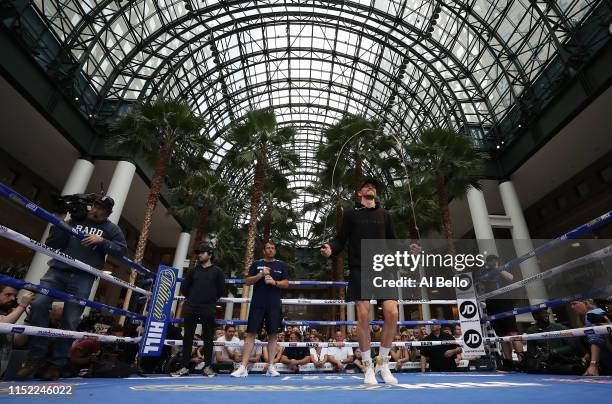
[
  {"x": 103, "y": 237},
  {"x": 203, "y": 285},
  {"x": 368, "y": 220}
]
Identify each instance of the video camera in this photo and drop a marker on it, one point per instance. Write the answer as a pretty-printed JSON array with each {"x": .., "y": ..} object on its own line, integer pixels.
[{"x": 75, "y": 204}]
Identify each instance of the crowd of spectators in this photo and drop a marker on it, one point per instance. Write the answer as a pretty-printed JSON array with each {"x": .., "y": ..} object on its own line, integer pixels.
[{"x": 590, "y": 355}]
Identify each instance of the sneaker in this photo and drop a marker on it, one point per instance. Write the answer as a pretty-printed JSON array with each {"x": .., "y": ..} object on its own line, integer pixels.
[
  {"x": 370, "y": 376},
  {"x": 382, "y": 367},
  {"x": 209, "y": 372},
  {"x": 240, "y": 372},
  {"x": 181, "y": 372},
  {"x": 272, "y": 372},
  {"x": 30, "y": 368}
]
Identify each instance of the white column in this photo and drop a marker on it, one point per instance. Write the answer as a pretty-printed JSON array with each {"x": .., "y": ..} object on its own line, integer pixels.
[
  {"x": 536, "y": 292},
  {"x": 480, "y": 219},
  {"x": 118, "y": 189},
  {"x": 180, "y": 254},
  {"x": 75, "y": 184}
]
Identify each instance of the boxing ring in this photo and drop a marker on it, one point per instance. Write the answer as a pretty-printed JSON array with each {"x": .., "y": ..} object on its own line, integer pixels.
[{"x": 307, "y": 385}]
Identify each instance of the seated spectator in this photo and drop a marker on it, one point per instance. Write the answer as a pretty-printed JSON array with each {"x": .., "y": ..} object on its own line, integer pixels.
[
  {"x": 415, "y": 352},
  {"x": 352, "y": 334},
  {"x": 10, "y": 312},
  {"x": 293, "y": 357},
  {"x": 279, "y": 352},
  {"x": 256, "y": 352},
  {"x": 318, "y": 356},
  {"x": 357, "y": 361},
  {"x": 340, "y": 357},
  {"x": 441, "y": 358},
  {"x": 218, "y": 332},
  {"x": 600, "y": 346},
  {"x": 403, "y": 355},
  {"x": 225, "y": 355},
  {"x": 456, "y": 332},
  {"x": 559, "y": 355}
]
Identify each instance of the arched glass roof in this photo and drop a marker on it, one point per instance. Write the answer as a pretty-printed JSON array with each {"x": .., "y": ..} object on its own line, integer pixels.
[{"x": 411, "y": 63}]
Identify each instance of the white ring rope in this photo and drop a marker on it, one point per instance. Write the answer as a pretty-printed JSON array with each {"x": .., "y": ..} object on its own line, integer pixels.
[
  {"x": 594, "y": 256},
  {"x": 66, "y": 259}
]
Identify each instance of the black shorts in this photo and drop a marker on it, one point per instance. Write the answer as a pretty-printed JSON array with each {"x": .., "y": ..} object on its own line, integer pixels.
[
  {"x": 354, "y": 291},
  {"x": 503, "y": 326},
  {"x": 270, "y": 317}
]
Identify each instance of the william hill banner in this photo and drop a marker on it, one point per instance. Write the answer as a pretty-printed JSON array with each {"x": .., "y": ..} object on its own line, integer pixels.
[{"x": 152, "y": 341}]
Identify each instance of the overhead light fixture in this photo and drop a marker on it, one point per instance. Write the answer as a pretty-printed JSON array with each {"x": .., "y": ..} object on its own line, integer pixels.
[{"x": 76, "y": 98}]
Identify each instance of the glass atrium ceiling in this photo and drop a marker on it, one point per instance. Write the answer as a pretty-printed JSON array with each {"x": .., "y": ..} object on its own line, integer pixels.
[{"x": 411, "y": 63}]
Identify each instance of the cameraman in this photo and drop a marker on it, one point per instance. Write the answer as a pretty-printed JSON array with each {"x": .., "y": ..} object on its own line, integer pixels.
[{"x": 103, "y": 237}]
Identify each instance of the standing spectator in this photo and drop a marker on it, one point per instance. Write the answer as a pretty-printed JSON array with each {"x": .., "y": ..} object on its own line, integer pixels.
[
  {"x": 441, "y": 358},
  {"x": 267, "y": 276},
  {"x": 504, "y": 326},
  {"x": 102, "y": 237},
  {"x": 203, "y": 285},
  {"x": 293, "y": 357}
]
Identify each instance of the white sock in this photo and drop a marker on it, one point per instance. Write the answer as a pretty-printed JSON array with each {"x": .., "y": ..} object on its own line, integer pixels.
[
  {"x": 384, "y": 352},
  {"x": 366, "y": 355}
]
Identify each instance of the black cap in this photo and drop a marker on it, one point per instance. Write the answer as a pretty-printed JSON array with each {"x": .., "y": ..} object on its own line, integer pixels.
[
  {"x": 204, "y": 248},
  {"x": 105, "y": 201},
  {"x": 370, "y": 181}
]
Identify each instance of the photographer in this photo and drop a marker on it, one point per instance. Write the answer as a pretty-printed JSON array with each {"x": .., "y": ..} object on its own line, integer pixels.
[{"x": 103, "y": 237}]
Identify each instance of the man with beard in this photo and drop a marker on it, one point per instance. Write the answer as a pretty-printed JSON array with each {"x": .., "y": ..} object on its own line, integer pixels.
[
  {"x": 103, "y": 237},
  {"x": 10, "y": 311},
  {"x": 203, "y": 285}
]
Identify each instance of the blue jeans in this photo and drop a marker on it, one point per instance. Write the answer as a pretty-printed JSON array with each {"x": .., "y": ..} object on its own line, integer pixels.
[{"x": 73, "y": 281}]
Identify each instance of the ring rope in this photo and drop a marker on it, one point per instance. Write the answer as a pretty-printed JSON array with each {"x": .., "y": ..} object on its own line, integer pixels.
[
  {"x": 67, "y": 297},
  {"x": 66, "y": 259},
  {"x": 594, "y": 256},
  {"x": 578, "y": 231}
]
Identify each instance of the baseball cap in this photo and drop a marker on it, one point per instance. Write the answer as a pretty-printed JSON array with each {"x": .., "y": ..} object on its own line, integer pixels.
[
  {"x": 105, "y": 201},
  {"x": 204, "y": 248},
  {"x": 370, "y": 181}
]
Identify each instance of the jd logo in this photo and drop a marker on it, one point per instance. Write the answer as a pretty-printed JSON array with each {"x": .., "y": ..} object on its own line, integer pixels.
[
  {"x": 472, "y": 338},
  {"x": 467, "y": 309},
  {"x": 464, "y": 280}
]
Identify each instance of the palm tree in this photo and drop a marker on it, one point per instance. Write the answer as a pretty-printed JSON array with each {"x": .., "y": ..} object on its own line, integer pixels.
[
  {"x": 200, "y": 194},
  {"x": 412, "y": 221},
  {"x": 351, "y": 142},
  {"x": 255, "y": 141},
  {"x": 164, "y": 132},
  {"x": 278, "y": 214},
  {"x": 452, "y": 163}
]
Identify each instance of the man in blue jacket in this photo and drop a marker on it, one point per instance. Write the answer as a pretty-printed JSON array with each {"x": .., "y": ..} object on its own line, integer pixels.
[{"x": 103, "y": 237}]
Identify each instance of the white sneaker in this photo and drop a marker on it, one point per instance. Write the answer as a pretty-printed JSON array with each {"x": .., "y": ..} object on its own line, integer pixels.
[
  {"x": 240, "y": 372},
  {"x": 382, "y": 367},
  {"x": 370, "y": 376},
  {"x": 272, "y": 372}
]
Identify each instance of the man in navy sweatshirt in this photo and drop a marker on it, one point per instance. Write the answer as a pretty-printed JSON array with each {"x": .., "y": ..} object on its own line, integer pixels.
[{"x": 103, "y": 237}]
